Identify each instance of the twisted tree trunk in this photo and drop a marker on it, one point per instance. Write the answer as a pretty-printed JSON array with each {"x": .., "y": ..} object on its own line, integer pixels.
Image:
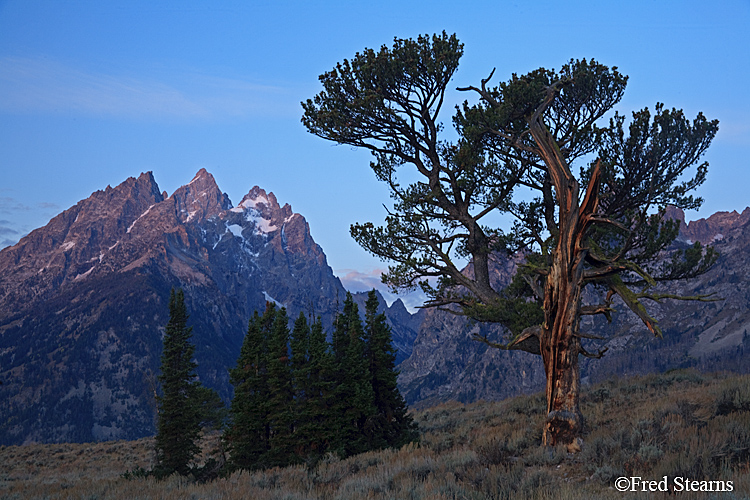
[
  {"x": 560, "y": 348},
  {"x": 559, "y": 342}
]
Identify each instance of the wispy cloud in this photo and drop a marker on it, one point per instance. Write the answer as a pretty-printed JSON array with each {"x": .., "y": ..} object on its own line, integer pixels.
[
  {"x": 9, "y": 235},
  {"x": 6, "y": 229},
  {"x": 40, "y": 85},
  {"x": 357, "y": 281},
  {"x": 10, "y": 205},
  {"x": 45, "y": 205},
  {"x": 20, "y": 218}
]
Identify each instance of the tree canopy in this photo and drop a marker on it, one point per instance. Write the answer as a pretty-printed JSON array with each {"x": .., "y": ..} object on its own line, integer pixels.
[{"x": 584, "y": 186}]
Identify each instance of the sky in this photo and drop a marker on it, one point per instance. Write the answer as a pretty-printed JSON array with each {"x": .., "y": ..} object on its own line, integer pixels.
[{"x": 94, "y": 92}]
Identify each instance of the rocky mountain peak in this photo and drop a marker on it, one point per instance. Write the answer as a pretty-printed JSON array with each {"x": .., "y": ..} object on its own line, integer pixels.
[
  {"x": 717, "y": 226},
  {"x": 265, "y": 204},
  {"x": 675, "y": 213},
  {"x": 83, "y": 300},
  {"x": 711, "y": 229},
  {"x": 73, "y": 244},
  {"x": 200, "y": 199}
]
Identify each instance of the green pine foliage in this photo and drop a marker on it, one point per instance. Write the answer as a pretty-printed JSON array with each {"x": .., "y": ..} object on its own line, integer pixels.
[
  {"x": 184, "y": 405},
  {"x": 281, "y": 396},
  {"x": 392, "y": 426},
  {"x": 297, "y": 397},
  {"x": 353, "y": 399},
  {"x": 311, "y": 370},
  {"x": 248, "y": 435}
]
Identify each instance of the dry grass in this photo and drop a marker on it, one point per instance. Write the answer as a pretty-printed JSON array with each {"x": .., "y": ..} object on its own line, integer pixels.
[{"x": 676, "y": 424}]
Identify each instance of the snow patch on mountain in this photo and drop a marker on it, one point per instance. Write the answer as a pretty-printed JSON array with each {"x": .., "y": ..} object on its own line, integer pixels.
[
  {"x": 139, "y": 217},
  {"x": 81, "y": 276},
  {"x": 271, "y": 299},
  {"x": 236, "y": 230},
  {"x": 262, "y": 225},
  {"x": 253, "y": 215}
]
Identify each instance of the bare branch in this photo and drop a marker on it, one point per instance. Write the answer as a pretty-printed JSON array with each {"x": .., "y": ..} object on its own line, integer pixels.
[
  {"x": 598, "y": 355},
  {"x": 588, "y": 336},
  {"x": 527, "y": 341},
  {"x": 605, "y": 309},
  {"x": 483, "y": 91},
  {"x": 658, "y": 297}
]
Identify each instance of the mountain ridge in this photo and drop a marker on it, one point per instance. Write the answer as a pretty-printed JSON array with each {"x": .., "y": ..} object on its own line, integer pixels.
[
  {"x": 83, "y": 301},
  {"x": 446, "y": 364}
]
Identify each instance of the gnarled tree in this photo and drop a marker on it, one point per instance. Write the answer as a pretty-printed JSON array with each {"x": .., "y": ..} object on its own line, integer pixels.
[{"x": 515, "y": 155}]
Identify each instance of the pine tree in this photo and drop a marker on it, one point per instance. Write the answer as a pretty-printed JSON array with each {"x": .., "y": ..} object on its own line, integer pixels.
[
  {"x": 393, "y": 426},
  {"x": 543, "y": 167},
  {"x": 311, "y": 373},
  {"x": 301, "y": 382},
  {"x": 248, "y": 434},
  {"x": 297, "y": 397},
  {"x": 180, "y": 415},
  {"x": 352, "y": 405},
  {"x": 281, "y": 396}
]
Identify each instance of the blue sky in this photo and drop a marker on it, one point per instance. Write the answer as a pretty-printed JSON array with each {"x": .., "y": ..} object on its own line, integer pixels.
[{"x": 93, "y": 92}]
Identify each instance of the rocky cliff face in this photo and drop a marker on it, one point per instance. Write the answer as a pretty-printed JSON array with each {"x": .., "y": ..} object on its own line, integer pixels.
[
  {"x": 83, "y": 301},
  {"x": 709, "y": 230},
  {"x": 447, "y": 364},
  {"x": 711, "y": 335}
]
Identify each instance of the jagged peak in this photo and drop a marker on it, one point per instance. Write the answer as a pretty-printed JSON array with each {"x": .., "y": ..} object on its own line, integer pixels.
[
  {"x": 708, "y": 229},
  {"x": 130, "y": 196},
  {"x": 201, "y": 174},
  {"x": 257, "y": 197},
  {"x": 674, "y": 213},
  {"x": 144, "y": 184},
  {"x": 202, "y": 181},
  {"x": 266, "y": 204},
  {"x": 201, "y": 198},
  {"x": 398, "y": 305}
]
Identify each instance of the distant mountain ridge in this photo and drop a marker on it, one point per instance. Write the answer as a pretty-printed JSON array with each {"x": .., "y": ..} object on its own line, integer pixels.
[
  {"x": 709, "y": 229},
  {"x": 446, "y": 364},
  {"x": 83, "y": 301}
]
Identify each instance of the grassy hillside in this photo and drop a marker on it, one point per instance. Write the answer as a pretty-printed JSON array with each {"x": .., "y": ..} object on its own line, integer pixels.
[{"x": 679, "y": 424}]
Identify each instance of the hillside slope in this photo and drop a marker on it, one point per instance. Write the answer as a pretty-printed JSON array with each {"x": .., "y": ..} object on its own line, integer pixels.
[{"x": 682, "y": 425}]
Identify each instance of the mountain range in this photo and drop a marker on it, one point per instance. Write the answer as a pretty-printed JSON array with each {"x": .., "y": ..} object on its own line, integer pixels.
[
  {"x": 83, "y": 301},
  {"x": 83, "y": 304},
  {"x": 446, "y": 364}
]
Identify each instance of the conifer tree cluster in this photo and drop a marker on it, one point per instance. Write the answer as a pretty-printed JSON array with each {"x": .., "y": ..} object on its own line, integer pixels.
[{"x": 297, "y": 397}]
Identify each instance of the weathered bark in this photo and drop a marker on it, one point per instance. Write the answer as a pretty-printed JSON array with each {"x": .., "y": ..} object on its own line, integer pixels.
[
  {"x": 558, "y": 342},
  {"x": 560, "y": 348}
]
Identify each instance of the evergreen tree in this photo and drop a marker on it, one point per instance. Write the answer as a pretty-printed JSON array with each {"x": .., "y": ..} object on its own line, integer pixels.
[
  {"x": 180, "y": 415},
  {"x": 542, "y": 167},
  {"x": 248, "y": 434},
  {"x": 297, "y": 397},
  {"x": 393, "y": 426},
  {"x": 281, "y": 396},
  {"x": 352, "y": 405},
  {"x": 311, "y": 370},
  {"x": 300, "y": 360}
]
